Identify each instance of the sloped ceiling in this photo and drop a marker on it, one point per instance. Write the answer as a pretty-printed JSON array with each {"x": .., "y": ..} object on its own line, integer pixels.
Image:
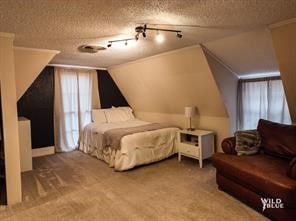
[
  {"x": 247, "y": 53},
  {"x": 167, "y": 83},
  {"x": 227, "y": 83},
  {"x": 284, "y": 43},
  {"x": 28, "y": 65},
  {"x": 65, "y": 24}
]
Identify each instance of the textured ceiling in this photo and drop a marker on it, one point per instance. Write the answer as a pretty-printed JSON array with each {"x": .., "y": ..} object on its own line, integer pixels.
[
  {"x": 247, "y": 53},
  {"x": 65, "y": 24}
]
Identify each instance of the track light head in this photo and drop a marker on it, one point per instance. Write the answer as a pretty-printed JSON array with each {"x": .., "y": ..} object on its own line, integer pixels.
[
  {"x": 109, "y": 44},
  {"x": 179, "y": 35},
  {"x": 125, "y": 43},
  {"x": 140, "y": 29}
]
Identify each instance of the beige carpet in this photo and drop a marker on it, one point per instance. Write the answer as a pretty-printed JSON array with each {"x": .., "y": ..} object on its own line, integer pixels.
[{"x": 73, "y": 186}]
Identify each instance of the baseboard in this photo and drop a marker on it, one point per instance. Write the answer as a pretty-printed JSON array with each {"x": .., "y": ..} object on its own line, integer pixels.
[{"x": 43, "y": 151}]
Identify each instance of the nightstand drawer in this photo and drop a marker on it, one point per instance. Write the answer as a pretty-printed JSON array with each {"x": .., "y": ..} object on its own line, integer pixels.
[{"x": 188, "y": 149}]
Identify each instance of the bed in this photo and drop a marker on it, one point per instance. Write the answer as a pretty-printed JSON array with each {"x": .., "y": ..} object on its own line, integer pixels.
[{"x": 122, "y": 141}]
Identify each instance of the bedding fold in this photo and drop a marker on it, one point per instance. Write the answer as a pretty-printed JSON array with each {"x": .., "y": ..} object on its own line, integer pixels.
[{"x": 112, "y": 138}]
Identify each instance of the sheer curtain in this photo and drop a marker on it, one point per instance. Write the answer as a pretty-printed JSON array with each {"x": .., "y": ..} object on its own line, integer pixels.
[
  {"x": 261, "y": 98},
  {"x": 73, "y": 104}
]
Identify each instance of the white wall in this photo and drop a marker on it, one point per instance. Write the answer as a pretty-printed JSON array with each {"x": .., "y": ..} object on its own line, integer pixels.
[{"x": 9, "y": 113}]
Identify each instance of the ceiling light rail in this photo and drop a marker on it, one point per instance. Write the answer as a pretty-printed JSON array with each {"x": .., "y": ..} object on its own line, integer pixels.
[
  {"x": 125, "y": 40},
  {"x": 143, "y": 28}
]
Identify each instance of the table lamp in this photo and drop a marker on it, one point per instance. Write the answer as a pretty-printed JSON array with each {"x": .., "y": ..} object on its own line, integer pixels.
[{"x": 189, "y": 113}]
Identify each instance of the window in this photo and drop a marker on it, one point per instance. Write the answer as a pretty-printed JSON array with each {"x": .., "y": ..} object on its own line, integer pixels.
[{"x": 261, "y": 98}]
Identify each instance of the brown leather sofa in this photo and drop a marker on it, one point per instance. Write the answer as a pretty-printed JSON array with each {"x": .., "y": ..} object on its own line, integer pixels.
[{"x": 270, "y": 174}]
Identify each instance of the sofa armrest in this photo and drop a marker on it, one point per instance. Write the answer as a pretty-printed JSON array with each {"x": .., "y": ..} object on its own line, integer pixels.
[
  {"x": 228, "y": 145},
  {"x": 292, "y": 169}
]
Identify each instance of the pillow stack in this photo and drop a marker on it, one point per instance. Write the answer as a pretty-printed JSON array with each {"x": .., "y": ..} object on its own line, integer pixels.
[{"x": 112, "y": 115}]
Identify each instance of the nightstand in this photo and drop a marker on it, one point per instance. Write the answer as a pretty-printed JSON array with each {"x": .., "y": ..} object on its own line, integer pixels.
[{"x": 198, "y": 144}]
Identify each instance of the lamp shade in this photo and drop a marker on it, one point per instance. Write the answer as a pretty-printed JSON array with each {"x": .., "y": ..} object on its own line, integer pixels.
[{"x": 190, "y": 111}]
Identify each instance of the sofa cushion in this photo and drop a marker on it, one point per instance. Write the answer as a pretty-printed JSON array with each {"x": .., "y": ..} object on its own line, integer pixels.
[
  {"x": 263, "y": 174},
  {"x": 277, "y": 139}
]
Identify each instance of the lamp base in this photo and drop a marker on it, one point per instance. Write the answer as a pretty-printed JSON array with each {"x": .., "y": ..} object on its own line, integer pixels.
[{"x": 190, "y": 129}]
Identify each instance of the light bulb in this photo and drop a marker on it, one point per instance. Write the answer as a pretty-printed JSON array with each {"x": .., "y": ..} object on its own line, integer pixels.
[{"x": 159, "y": 38}]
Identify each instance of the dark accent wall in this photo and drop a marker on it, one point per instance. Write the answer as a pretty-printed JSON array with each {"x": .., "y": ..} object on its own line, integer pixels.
[
  {"x": 37, "y": 104},
  {"x": 110, "y": 94}
]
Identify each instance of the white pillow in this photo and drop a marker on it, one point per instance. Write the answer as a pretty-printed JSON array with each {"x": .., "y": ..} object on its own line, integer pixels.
[
  {"x": 117, "y": 115},
  {"x": 98, "y": 116},
  {"x": 128, "y": 111}
]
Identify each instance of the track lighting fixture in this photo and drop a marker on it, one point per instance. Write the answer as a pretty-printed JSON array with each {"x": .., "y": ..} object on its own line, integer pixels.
[
  {"x": 126, "y": 40},
  {"x": 142, "y": 30}
]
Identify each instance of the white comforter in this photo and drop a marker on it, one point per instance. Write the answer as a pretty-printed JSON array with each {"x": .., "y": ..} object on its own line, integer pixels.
[{"x": 136, "y": 149}]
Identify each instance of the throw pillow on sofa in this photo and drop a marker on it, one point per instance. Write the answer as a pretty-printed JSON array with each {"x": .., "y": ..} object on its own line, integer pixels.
[{"x": 247, "y": 142}]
